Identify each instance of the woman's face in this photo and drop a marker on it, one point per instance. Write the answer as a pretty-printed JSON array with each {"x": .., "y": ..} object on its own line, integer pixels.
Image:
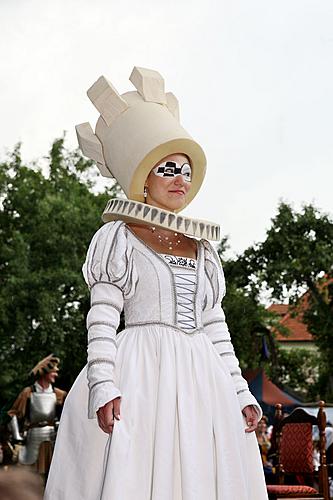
[{"x": 166, "y": 191}]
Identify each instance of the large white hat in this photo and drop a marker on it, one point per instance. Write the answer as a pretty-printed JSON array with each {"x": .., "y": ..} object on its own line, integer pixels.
[{"x": 135, "y": 131}]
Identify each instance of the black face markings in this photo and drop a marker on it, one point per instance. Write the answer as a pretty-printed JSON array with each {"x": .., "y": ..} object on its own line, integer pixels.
[{"x": 172, "y": 168}]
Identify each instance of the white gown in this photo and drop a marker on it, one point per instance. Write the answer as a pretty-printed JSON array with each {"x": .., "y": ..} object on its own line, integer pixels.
[{"x": 181, "y": 434}]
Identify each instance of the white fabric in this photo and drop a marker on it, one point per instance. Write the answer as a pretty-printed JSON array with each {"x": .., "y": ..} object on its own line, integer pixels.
[
  {"x": 185, "y": 278},
  {"x": 39, "y": 388},
  {"x": 329, "y": 436},
  {"x": 181, "y": 434}
]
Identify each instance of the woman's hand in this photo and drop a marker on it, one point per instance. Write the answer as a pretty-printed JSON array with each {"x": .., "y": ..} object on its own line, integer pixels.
[
  {"x": 107, "y": 413},
  {"x": 251, "y": 415}
]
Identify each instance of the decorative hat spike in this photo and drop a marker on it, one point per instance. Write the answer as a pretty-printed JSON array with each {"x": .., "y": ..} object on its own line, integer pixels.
[
  {"x": 106, "y": 100},
  {"x": 173, "y": 104},
  {"x": 91, "y": 147},
  {"x": 149, "y": 84}
]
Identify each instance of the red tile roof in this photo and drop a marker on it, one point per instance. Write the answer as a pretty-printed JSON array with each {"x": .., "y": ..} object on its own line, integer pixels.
[
  {"x": 280, "y": 309},
  {"x": 292, "y": 317},
  {"x": 293, "y": 321}
]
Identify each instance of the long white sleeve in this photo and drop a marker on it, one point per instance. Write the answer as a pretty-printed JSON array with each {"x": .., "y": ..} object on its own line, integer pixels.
[
  {"x": 110, "y": 275},
  {"x": 216, "y": 328},
  {"x": 102, "y": 323}
]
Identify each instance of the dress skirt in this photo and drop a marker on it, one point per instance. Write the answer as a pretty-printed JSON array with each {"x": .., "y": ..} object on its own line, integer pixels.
[{"x": 181, "y": 434}]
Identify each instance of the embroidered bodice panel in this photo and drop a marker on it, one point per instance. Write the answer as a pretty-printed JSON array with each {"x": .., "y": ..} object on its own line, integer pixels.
[
  {"x": 176, "y": 260},
  {"x": 184, "y": 271}
]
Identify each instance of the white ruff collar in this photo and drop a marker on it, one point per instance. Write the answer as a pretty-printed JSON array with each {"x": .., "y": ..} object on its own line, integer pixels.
[{"x": 135, "y": 211}]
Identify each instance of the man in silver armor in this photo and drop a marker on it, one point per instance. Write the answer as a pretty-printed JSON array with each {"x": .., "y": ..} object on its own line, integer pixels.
[{"x": 36, "y": 412}]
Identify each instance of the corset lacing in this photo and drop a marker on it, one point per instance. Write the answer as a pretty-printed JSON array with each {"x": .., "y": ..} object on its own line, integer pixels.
[{"x": 184, "y": 270}]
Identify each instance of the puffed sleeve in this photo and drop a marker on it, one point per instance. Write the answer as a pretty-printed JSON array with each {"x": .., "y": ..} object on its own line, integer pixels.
[
  {"x": 216, "y": 328},
  {"x": 110, "y": 274}
]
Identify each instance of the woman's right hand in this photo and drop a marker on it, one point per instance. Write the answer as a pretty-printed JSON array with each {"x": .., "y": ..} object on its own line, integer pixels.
[{"x": 107, "y": 413}]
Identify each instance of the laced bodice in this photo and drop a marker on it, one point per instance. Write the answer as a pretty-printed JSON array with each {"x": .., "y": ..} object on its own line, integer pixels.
[{"x": 185, "y": 278}]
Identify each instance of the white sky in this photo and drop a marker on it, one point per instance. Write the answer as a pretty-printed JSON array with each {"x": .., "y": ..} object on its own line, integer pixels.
[{"x": 254, "y": 80}]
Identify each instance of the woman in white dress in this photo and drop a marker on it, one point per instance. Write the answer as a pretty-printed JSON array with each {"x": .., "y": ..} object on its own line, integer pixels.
[{"x": 161, "y": 411}]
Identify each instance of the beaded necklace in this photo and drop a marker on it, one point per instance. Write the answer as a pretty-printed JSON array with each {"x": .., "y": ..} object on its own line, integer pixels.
[{"x": 166, "y": 241}]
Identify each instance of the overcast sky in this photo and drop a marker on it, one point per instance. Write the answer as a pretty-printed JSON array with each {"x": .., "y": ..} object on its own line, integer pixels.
[{"x": 254, "y": 79}]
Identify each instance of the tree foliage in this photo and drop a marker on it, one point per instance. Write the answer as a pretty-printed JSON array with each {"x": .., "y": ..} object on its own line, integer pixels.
[
  {"x": 297, "y": 257},
  {"x": 47, "y": 218},
  {"x": 297, "y": 369},
  {"x": 248, "y": 320},
  {"x": 297, "y": 251}
]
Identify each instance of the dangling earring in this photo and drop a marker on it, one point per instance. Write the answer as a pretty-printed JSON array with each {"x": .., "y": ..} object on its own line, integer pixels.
[{"x": 145, "y": 192}]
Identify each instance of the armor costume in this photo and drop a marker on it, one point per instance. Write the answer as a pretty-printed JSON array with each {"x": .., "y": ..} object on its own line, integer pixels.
[{"x": 38, "y": 411}]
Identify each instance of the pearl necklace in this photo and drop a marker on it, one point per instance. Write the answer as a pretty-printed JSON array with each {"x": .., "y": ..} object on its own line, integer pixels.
[{"x": 165, "y": 240}]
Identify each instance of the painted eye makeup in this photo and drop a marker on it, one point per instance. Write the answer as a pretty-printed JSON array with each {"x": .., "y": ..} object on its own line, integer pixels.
[{"x": 172, "y": 168}]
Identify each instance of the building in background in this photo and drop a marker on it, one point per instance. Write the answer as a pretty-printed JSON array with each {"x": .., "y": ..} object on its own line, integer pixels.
[{"x": 291, "y": 319}]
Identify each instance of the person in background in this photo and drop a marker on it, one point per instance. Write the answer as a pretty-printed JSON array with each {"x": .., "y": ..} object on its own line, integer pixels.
[
  {"x": 329, "y": 452},
  {"x": 35, "y": 414},
  {"x": 264, "y": 442}
]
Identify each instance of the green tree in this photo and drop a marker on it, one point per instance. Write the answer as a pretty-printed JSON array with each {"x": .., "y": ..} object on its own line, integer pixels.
[
  {"x": 47, "y": 218},
  {"x": 297, "y": 370},
  {"x": 297, "y": 257},
  {"x": 248, "y": 320}
]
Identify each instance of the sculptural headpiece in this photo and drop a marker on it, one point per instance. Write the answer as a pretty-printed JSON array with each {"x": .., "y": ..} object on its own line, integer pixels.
[{"x": 135, "y": 131}]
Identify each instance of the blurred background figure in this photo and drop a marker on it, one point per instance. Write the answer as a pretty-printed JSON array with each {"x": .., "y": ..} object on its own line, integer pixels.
[
  {"x": 35, "y": 415},
  {"x": 8, "y": 448},
  {"x": 263, "y": 438},
  {"x": 329, "y": 452},
  {"x": 20, "y": 484}
]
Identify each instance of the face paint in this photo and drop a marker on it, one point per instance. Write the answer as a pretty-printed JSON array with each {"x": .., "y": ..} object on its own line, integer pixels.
[{"x": 172, "y": 168}]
